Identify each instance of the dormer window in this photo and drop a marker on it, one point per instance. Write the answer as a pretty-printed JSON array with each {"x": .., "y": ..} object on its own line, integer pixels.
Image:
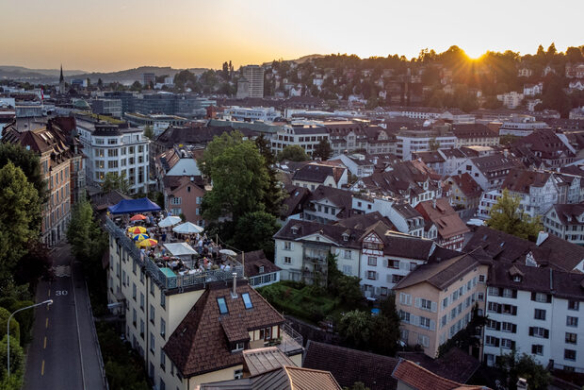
[
  {"x": 261, "y": 269},
  {"x": 294, "y": 230},
  {"x": 517, "y": 278},
  {"x": 345, "y": 237},
  {"x": 238, "y": 346}
]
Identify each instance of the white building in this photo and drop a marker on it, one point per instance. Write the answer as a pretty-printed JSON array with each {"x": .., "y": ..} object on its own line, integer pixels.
[
  {"x": 511, "y": 100},
  {"x": 266, "y": 114},
  {"x": 521, "y": 126},
  {"x": 115, "y": 148},
  {"x": 537, "y": 311},
  {"x": 411, "y": 141}
]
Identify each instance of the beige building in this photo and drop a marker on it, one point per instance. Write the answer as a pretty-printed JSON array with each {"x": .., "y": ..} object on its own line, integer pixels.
[
  {"x": 190, "y": 328},
  {"x": 436, "y": 300},
  {"x": 252, "y": 83}
]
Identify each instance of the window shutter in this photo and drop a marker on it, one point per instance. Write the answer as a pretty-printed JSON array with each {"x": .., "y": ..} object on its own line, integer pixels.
[
  {"x": 432, "y": 325},
  {"x": 291, "y": 246},
  {"x": 385, "y": 263},
  {"x": 415, "y": 320},
  {"x": 402, "y": 298},
  {"x": 418, "y": 302},
  {"x": 434, "y": 307}
]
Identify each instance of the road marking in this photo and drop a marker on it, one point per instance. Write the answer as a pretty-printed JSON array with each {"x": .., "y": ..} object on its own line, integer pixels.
[
  {"x": 43, "y": 368},
  {"x": 47, "y": 323},
  {"x": 45, "y": 343},
  {"x": 61, "y": 293},
  {"x": 49, "y": 292}
]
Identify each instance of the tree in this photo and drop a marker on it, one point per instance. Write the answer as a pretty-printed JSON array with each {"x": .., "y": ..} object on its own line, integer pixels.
[
  {"x": 323, "y": 150},
  {"x": 507, "y": 216},
  {"x": 345, "y": 287},
  {"x": 99, "y": 83},
  {"x": 113, "y": 181},
  {"x": 29, "y": 162},
  {"x": 355, "y": 328},
  {"x": 239, "y": 176},
  {"x": 255, "y": 231},
  {"x": 87, "y": 240},
  {"x": 516, "y": 366},
  {"x": 136, "y": 86},
  {"x": 148, "y": 132},
  {"x": 274, "y": 194},
  {"x": 293, "y": 153},
  {"x": 19, "y": 206},
  {"x": 17, "y": 359}
]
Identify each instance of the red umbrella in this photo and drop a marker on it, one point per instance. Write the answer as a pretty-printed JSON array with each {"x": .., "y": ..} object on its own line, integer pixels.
[{"x": 138, "y": 217}]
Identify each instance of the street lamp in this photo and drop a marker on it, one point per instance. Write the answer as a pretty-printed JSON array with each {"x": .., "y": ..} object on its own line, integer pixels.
[{"x": 47, "y": 302}]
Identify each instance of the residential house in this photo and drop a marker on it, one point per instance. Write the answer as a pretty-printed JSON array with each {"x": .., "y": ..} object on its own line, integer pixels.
[
  {"x": 359, "y": 165},
  {"x": 548, "y": 251},
  {"x": 433, "y": 160},
  {"x": 450, "y": 228},
  {"x": 327, "y": 205},
  {"x": 183, "y": 195},
  {"x": 537, "y": 311},
  {"x": 259, "y": 270},
  {"x": 475, "y": 134},
  {"x": 465, "y": 192},
  {"x": 437, "y": 300},
  {"x": 489, "y": 171},
  {"x": 293, "y": 203},
  {"x": 544, "y": 147},
  {"x": 55, "y": 160},
  {"x": 189, "y": 330},
  {"x": 387, "y": 257},
  {"x": 575, "y": 71},
  {"x": 511, "y": 100},
  {"x": 532, "y": 89},
  {"x": 328, "y": 174},
  {"x": 302, "y": 247},
  {"x": 566, "y": 221}
]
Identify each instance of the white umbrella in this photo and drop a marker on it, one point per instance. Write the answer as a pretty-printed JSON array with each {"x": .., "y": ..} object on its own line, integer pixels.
[
  {"x": 228, "y": 252},
  {"x": 171, "y": 220},
  {"x": 187, "y": 228},
  {"x": 180, "y": 249}
]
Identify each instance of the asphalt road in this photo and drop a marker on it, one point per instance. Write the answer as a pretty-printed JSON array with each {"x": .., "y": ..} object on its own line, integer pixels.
[{"x": 63, "y": 354}]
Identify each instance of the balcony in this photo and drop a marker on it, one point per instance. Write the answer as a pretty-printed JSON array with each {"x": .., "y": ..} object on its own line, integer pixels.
[{"x": 291, "y": 343}]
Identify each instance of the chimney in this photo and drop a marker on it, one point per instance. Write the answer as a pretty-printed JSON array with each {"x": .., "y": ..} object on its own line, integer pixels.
[
  {"x": 541, "y": 238},
  {"x": 234, "y": 292}
]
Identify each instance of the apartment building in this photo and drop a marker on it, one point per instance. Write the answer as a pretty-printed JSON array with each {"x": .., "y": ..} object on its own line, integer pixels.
[
  {"x": 115, "y": 148},
  {"x": 190, "y": 328},
  {"x": 538, "y": 311},
  {"x": 489, "y": 171},
  {"x": 437, "y": 300},
  {"x": 252, "y": 83},
  {"x": 566, "y": 221},
  {"x": 306, "y": 136},
  {"x": 411, "y": 141},
  {"x": 475, "y": 134}
]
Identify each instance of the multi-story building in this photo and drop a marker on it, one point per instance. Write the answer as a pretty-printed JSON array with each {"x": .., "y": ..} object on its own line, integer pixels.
[
  {"x": 538, "y": 311},
  {"x": 190, "y": 328},
  {"x": 450, "y": 229},
  {"x": 115, "y": 148},
  {"x": 266, "y": 114},
  {"x": 158, "y": 122},
  {"x": 410, "y": 141},
  {"x": 475, "y": 134},
  {"x": 566, "y": 221},
  {"x": 55, "y": 163},
  {"x": 328, "y": 174},
  {"x": 252, "y": 84},
  {"x": 521, "y": 126},
  {"x": 464, "y": 192},
  {"x": 109, "y": 107},
  {"x": 306, "y": 136},
  {"x": 489, "y": 171},
  {"x": 326, "y": 205},
  {"x": 437, "y": 300}
]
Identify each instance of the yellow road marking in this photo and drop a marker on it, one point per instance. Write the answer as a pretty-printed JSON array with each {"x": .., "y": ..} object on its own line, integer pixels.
[
  {"x": 47, "y": 323},
  {"x": 49, "y": 292},
  {"x": 45, "y": 343},
  {"x": 48, "y": 307},
  {"x": 43, "y": 368}
]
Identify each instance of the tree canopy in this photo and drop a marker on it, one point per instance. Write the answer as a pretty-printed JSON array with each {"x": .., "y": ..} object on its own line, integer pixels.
[
  {"x": 323, "y": 150},
  {"x": 293, "y": 153},
  {"x": 507, "y": 216},
  {"x": 239, "y": 176},
  {"x": 113, "y": 181}
]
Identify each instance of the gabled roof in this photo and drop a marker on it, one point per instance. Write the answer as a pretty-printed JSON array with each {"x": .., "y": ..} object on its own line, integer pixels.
[
  {"x": 406, "y": 246},
  {"x": 521, "y": 180},
  {"x": 334, "y": 233},
  {"x": 569, "y": 214},
  {"x": 469, "y": 187},
  {"x": 474, "y": 130},
  {"x": 293, "y": 203},
  {"x": 418, "y": 378},
  {"x": 350, "y": 365},
  {"x": 494, "y": 163},
  {"x": 441, "y": 274},
  {"x": 443, "y": 216},
  {"x": 340, "y": 198},
  {"x": 200, "y": 343},
  {"x": 256, "y": 259},
  {"x": 362, "y": 221},
  {"x": 551, "y": 251},
  {"x": 260, "y": 360},
  {"x": 455, "y": 364},
  {"x": 318, "y": 173}
]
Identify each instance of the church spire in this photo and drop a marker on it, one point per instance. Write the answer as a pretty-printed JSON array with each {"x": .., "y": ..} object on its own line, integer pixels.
[{"x": 61, "y": 79}]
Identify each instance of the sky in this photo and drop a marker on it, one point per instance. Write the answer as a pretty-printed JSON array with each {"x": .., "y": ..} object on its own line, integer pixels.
[{"x": 110, "y": 35}]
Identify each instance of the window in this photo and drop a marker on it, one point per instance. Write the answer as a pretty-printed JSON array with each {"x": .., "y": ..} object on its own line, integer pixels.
[
  {"x": 134, "y": 291},
  {"x": 537, "y": 349},
  {"x": 152, "y": 315},
  {"x": 445, "y": 302},
  {"x": 492, "y": 341},
  {"x": 539, "y": 332},
  {"x": 142, "y": 301},
  {"x": 238, "y": 374},
  {"x": 426, "y": 304},
  {"x": 152, "y": 342},
  {"x": 162, "y": 328},
  {"x": 423, "y": 340},
  {"x": 239, "y": 346},
  {"x": 162, "y": 299},
  {"x": 142, "y": 329},
  {"x": 162, "y": 360},
  {"x": 572, "y": 321},
  {"x": 246, "y": 300},
  {"x": 541, "y": 297},
  {"x": 404, "y": 334},
  {"x": 287, "y": 245},
  {"x": 396, "y": 278},
  {"x": 383, "y": 291},
  {"x": 393, "y": 264},
  {"x": 176, "y": 200},
  {"x": 425, "y": 322},
  {"x": 371, "y": 275},
  {"x": 287, "y": 260},
  {"x": 372, "y": 261},
  {"x": 571, "y": 338},
  {"x": 482, "y": 278},
  {"x": 405, "y": 299},
  {"x": 134, "y": 317},
  {"x": 573, "y": 305},
  {"x": 569, "y": 354},
  {"x": 539, "y": 314},
  {"x": 509, "y": 327},
  {"x": 347, "y": 254},
  {"x": 266, "y": 333},
  {"x": 506, "y": 343},
  {"x": 222, "y": 305}
]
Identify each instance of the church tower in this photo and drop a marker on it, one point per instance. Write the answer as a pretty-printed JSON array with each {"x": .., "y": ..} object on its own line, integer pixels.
[{"x": 62, "y": 82}]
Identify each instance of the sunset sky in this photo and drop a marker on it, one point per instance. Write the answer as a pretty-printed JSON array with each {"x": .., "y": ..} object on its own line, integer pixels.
[{"x": 109, "y": 35}]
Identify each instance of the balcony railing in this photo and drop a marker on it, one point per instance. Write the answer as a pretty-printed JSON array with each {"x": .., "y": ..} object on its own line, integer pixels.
[
  {"x": 158, "y": 276},
  {"x": 291, "y": 340}
]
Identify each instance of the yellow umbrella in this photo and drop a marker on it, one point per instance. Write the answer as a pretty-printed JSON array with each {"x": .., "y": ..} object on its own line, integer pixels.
[
  {"x": 147, "y": 243},
  {"x": 137, "y": 229}
]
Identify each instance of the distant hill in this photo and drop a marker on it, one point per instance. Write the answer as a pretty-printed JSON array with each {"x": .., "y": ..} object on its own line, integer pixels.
[
  {"x": 37, "y": 75},
  {"x": 300, "y": 60},
  {"x": 130, "y": 75}
]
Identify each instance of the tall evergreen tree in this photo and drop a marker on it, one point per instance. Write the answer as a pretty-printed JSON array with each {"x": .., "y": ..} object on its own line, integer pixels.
[{"x": 274, "y": 194}]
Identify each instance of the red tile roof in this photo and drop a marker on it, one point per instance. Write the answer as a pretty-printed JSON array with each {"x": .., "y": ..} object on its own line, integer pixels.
[{"x": 417, "y": 377}]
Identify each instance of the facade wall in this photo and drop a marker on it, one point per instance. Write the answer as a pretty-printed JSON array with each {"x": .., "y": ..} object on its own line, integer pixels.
[{"x": 57, "y": 211}]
